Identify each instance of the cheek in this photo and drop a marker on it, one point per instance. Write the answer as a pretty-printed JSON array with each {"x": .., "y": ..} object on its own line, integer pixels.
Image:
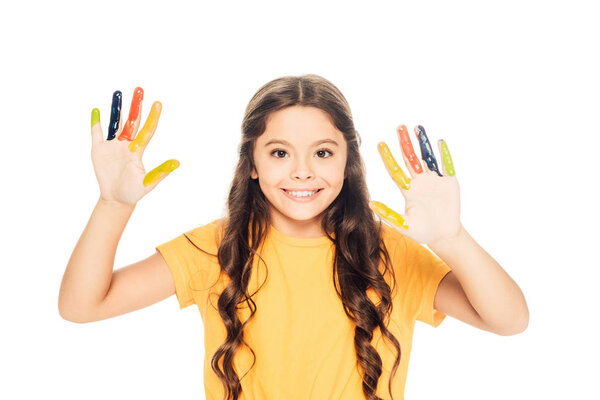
[
  {"x": 337, "y": 171},
  {"x": 270, "y": 176}
]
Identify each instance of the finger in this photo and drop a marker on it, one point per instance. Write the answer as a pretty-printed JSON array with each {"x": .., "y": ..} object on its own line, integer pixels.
[
  {"x": 408, "y": 152},
  {"x": 388, "y": 214},
  {"x": 135, "y": 111},
  {"x": 146, "y": 133},
  {"x": 115, "y": 115},
  {"x": 426, "y": 150},
  {"x": 97, "y": 136},
  {"x": 160, "y": 172},
  {"x": 392, "y": 166},
  {"x": 446, "y": 158},
  {"x": 120, "y": 129}
]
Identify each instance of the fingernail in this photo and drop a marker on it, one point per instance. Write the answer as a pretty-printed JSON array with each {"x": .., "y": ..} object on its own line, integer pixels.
[
  {"x": 115, "y": 114},
  {"x": 95, "y": 116},
  {"x": 447, "y": 159}
]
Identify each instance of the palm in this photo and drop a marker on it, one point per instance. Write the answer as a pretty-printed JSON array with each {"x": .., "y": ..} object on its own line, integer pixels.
[
  {"x": 119, "y": 171},
  {"x": 432, "y": 207}
]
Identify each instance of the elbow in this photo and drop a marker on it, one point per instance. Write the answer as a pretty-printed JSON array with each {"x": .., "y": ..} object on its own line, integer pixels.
[
  {"x": 71, "y": 316},
  {"x": 70, "y": 309},
  {"x": 519, "y": 323},
  {"x": 524, "y": 324},
  {"x": 519, "y": 326},
  {"x": 75, "y": 319},
  {"x": 65, "y": 315},
  {"x": 524, "y": 320}
]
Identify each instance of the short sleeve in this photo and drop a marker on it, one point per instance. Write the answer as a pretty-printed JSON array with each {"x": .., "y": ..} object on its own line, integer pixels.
[
  {"x": 190, "y": 266},
  {"x": 424, "y": 272},
  {"x": 177, "y": 254}
]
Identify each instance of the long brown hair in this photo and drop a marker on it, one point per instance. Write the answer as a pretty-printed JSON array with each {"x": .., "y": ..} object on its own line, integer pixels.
[{"x": 357, "y": 235}]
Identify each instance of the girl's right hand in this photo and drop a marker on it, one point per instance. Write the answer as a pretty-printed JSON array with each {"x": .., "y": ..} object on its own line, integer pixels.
[{"x": 118, "y": 160}]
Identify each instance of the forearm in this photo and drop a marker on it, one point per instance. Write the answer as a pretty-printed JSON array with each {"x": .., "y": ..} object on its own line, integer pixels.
[
  {"x": 89, "y": 271},
  {"x": 491, "y": 291}
]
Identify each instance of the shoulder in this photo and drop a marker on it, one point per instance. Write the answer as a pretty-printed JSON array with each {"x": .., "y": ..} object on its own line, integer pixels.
[
  {"x": 208, "y": 236},
  {"x": 394, "y": 241}
]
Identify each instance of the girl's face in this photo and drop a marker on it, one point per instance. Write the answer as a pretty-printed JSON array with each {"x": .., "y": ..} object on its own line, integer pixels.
[{"x": 300, "y": 150}]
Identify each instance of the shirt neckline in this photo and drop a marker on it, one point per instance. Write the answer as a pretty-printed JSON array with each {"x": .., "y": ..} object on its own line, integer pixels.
[{"x": 300, "y": 242}]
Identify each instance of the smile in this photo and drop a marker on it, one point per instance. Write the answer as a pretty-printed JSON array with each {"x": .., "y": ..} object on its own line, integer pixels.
[{"x": 302, "y": 196}]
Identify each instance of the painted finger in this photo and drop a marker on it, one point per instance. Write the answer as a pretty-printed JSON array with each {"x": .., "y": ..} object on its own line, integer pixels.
[
  {"x": 447, "y": 159},
  {"x": 408, "y": 151},
  {"x": 146, "y": 133},
  {"x": 426, "y": 150},
  {"x": 97, "y": 136},
  {"x": 158, "y": 173},
  {"x": 392, "y": 166},
  {"x": 115, "y": 115},
  {"x": 388, "y": 214},
  {"x": 135, "y": 111},
  {"x": 121, "y": 124},
  {"x": 439, "y": 143}
]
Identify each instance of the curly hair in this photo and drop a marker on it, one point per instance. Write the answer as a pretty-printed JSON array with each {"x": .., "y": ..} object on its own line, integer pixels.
[{"x": 348, "y": 222}]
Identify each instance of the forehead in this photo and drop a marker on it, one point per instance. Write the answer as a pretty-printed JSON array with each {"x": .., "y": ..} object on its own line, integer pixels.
[{"x": 299, "y": 124}]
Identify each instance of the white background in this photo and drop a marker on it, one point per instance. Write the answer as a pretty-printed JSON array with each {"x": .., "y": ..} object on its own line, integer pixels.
[{"x": 512, "y": 87}]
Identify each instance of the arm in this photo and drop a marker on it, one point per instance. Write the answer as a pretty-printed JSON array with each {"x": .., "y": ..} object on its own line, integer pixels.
[
  {"x": 89, "y": 271},
  {"x": 90, "y": 291},
  {"x": 495, "y": 299},
  {"x": 491, "y": 300}
]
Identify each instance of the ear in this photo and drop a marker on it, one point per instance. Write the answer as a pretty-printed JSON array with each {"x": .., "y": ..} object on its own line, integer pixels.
[{"x": 253, "y": 174}]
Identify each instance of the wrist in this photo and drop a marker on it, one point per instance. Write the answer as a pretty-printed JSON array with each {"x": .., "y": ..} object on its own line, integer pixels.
[
  {"x": 449, "y": 242},
  {"x": 113, "y": 204}
]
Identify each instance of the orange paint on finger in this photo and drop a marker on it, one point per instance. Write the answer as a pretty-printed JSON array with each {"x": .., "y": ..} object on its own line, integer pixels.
[
  {"x": 408, "y": 150},
  {"x": 143, "y": 137},
  {"x": 134, "y": 114},
  {"x": 389, "y": 214},
  {"x": 392, "y": 166}
]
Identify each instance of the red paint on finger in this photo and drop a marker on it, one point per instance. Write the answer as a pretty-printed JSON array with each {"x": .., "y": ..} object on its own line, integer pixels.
[
  {"x": 407, "y": 149},
  {"x": 134, "y": 115}
]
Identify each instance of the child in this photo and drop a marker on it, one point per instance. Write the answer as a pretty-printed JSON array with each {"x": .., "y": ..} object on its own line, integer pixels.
[{"x": 303, "y": 293}]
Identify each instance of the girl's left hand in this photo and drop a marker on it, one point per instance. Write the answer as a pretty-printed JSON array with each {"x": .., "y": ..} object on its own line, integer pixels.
[{"x": 431, "y": 194}]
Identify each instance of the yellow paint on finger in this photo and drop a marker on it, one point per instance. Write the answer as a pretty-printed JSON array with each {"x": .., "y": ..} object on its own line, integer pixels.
[
  {"x": 447, "y": 158},
  {"x": 95, "y": 116},
  {"x": 389, "y": 214},
  {"x": 161, "y": 171},
  {"x": 392, "y": 166},
  {"x": 144, "y": 135}
]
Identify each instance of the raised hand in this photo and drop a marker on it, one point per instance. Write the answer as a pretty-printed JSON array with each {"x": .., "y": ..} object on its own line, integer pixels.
[
  {"x": 118, "y": 163},
  {"x": 432, "y": 198}
]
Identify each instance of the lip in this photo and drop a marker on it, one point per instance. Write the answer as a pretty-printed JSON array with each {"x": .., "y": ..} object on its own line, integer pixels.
[
  {"x": 302, "y": 190},
  {"x": 302, "y": 199}
]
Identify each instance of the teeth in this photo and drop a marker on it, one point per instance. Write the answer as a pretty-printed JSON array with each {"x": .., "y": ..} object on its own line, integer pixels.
[{"x": 302, "y": 194}]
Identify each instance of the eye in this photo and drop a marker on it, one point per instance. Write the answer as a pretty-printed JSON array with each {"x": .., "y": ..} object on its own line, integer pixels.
[
  {"x": 325, "y": 151},
  {"x": 277, "y": 152}
]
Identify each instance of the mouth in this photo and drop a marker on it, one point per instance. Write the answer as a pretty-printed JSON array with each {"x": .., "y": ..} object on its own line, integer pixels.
[
  {"x": 302, "y": 195},
  {"x": 302, "y": 190}
]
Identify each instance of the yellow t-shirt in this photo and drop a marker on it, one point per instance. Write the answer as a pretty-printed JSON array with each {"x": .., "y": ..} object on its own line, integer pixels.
[{"x": 302, "y": 338}]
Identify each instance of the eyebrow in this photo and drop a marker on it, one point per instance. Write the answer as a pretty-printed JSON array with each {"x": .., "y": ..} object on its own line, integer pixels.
[{"x": 318, "y": 142}]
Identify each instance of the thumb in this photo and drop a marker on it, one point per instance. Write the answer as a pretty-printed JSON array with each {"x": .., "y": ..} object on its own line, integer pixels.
[
  {"x": 388, "y": 215},
  {"x": 159, "y": 173}
]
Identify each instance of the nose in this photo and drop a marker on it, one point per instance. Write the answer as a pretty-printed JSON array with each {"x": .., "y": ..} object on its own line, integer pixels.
[{"x": 302, "y": 169}]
